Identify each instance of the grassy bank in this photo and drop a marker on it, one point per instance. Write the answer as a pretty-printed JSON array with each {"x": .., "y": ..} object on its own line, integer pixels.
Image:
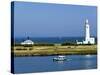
[{"x": 42, "y": 50}]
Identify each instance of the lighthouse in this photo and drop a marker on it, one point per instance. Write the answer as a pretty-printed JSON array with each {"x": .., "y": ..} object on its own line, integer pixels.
[
  {"x": 87, "y": 30},
  {"x": 88, "y": 38}
]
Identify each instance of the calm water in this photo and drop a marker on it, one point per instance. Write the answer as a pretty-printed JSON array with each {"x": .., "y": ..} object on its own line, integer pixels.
[
  {"x": 51, "y": 39},
  {"x": 46, "y": 63}
]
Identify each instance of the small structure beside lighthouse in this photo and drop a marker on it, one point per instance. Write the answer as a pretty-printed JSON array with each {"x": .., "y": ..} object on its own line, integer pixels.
[
  {"x": 88, "y": 38},
  {"x": 27, "y": 42}
]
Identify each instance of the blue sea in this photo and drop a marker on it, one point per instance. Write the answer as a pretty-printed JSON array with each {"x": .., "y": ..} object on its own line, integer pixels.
[
  {"x": 51, "y": 39},
  {"x": 46, "y": 63}
]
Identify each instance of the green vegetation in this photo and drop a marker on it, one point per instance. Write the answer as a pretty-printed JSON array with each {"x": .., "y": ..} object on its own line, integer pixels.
[{"x": 52, "y": 49}]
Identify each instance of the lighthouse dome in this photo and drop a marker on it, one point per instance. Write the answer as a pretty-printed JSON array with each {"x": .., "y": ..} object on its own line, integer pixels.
[{"x": 87, "y": 21}]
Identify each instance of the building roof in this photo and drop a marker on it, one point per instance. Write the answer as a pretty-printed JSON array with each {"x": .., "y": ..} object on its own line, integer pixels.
[{"x": 27, "y": 42}]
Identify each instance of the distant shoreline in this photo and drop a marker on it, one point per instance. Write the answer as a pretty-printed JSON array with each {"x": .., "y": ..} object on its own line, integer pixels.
[{"x": 50, "y": 39}]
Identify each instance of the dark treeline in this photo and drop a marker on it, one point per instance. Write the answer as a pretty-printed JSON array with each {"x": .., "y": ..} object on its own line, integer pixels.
[{"x": 50, "y": 44}]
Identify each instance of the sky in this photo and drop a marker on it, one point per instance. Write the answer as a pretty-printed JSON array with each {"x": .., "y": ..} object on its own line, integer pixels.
[{"x": 53, "y": 20}]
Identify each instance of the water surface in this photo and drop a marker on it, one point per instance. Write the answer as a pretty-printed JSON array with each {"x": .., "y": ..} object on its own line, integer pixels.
[{"x": 46, "y": 63}]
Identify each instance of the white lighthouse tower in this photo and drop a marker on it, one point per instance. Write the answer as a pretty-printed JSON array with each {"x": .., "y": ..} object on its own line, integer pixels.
[
  {"x": 87, "y": 33},
  {"x": 88, "y": 39}
]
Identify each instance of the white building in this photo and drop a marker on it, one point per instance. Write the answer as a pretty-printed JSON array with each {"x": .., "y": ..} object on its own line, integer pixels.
[
  {"x": 88, "y": 39},
  {"x": 27, "y": 42}
]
